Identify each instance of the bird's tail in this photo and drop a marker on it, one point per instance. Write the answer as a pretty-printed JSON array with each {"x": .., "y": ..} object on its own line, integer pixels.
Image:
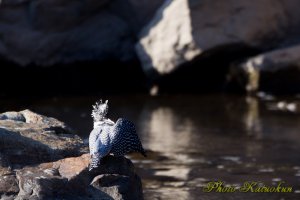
[
  {"x": 95, "y": 162},
  {"x": 142, "y": 151}
]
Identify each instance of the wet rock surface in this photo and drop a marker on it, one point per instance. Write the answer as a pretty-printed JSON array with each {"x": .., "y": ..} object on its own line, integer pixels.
[{"x": 36, "y": 163}]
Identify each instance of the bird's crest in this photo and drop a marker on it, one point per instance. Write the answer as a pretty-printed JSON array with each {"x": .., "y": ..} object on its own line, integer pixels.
[{"x": 100, "y": 111}]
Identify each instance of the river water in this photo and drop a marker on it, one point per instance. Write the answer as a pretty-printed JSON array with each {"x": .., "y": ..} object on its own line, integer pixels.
[{"x": 196, "y": 139}]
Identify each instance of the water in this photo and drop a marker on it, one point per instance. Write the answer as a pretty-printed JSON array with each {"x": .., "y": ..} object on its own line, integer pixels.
[{"x": 193, "y": 140}]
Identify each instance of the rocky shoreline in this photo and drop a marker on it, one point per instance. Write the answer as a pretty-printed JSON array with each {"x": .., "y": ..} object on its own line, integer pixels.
[{"x": 41, "y": 158}]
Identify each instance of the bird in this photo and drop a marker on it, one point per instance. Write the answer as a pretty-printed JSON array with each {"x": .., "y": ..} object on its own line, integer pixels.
[{"x": 109, "y": 137}]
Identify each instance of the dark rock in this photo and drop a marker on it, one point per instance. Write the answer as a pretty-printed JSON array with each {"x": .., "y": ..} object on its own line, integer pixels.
[
  {"x": 4, "y": 162},
  {"x": 69, "y": 178},
  {"x": 276, "y": 71},
  {"x": 119, "y": 186},
  {"x": 117, "y": 178},
  {"x": 60, "y": 31},
  {"x": 35, "y": 183},
  {"x": 37, "y": 139},
  {"x": 115, "y": 165}
]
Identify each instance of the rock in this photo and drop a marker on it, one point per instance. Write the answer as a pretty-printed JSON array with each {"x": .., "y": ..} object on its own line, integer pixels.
[
  {"x": 35, "y": 184},
  {"x": 118, "y": 179},
  {"x": 69, "y": 178},
  {"x": 60, "y": 31},
  {"x": 184, "y": 30},
  {"x": 28, "y": 138},
  {"x": 145, "y": 10},
  {"x": 8, "y": 183},
  {"x": 119, "y": 187},
  {"x": 30, "y": 142},
  {"x": 30, "y": 117},
  {"x": 4, "y": 162},
  {"x": 265, "y": 70},
  {"x": 16, "y": 116}
]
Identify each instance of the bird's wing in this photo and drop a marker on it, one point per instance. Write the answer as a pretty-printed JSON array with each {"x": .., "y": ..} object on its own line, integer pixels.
[{"x": 125, "y": 138}]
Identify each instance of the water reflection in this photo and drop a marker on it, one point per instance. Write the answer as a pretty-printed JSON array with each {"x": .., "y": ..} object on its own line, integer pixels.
[
  {"x": 252, "y": 118},
  {"x": 165, "y": 127},
  {"x": 203, "y": 140}
]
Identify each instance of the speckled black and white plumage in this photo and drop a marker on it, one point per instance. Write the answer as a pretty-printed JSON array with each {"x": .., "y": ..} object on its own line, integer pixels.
[
  {"x": 125, "y": 139},
  {"x": 108, "y": 137}
]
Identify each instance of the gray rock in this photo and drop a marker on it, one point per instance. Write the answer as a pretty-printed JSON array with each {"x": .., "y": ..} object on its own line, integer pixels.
[
  {"x": 58, "y": 31},
  {"x": 36, "y": 138},
  {"x": 185, "y": 29},
  {"x": 280, "y": 64}
]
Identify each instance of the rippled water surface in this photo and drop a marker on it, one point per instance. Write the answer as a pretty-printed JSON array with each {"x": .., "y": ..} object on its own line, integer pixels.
[{"x": 193, "y": 140}]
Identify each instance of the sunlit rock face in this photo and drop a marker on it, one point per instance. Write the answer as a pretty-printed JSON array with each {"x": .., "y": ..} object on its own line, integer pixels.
[
  {"x": 185, "y": 29},
  {"x": 54, "y": 32}
]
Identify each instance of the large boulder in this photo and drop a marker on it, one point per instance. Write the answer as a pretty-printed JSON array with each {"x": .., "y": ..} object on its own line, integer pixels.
[
  {"x": 59, "y": 31},
  {"x": 28, "y": 138},
  {"x": 33, "y": 163},
  {"x": 70, "y": 179},
  {"x": 183, "y": 30}
]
